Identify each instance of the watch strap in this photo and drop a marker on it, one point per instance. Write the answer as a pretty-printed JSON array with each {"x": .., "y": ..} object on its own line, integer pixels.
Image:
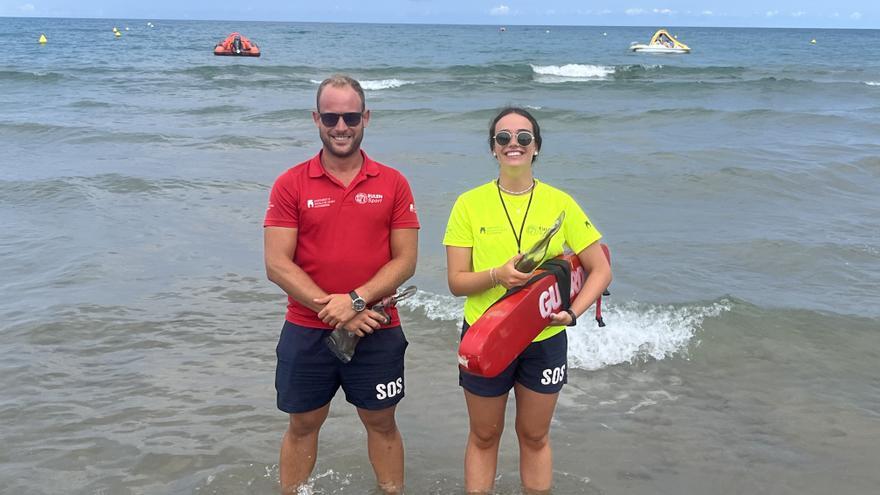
[{"x": 573, "y": 317}]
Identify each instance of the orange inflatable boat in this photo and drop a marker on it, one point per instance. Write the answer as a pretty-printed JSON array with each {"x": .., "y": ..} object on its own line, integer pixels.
[{"x": 237, "y": 45}]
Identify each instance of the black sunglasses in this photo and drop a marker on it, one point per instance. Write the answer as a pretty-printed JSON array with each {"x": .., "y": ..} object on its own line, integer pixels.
[
  {"x": 523, "y": 138},
  {"x": 352, "y": 119}
]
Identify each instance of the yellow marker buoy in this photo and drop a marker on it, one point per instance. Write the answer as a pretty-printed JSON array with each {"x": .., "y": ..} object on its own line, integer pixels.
[
  {"x": 43, "y": 39},
  {"x": 117, "y": 34}
]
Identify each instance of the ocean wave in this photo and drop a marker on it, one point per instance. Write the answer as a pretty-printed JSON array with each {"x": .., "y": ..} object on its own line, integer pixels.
[
  {"x": 80, "y": 134},
  {"x": 211, "y": 72},
  {"x": 77, "y": 191},
  {"x": 29, "y": 76},
  {"x": 633, "y": 332},
  {"x": 384, "y": 84},
  {"x": 234, "y": 141},
  {"x": 571, "y": 72},
  {"x": 376, "y": 85},
  {"x": 872, "y": 83},
  {"x": 637, "y": 332},
  {"x": 90, "y": 104},
  {"x": 710, "y": 70},
  {"x": 435, "y": 306},
  {"x": 103, "y": 137},
  {"x": 284, "y": 115},
  {"x": 215, "y": 109},
  {"x": 35, "y": 128}
]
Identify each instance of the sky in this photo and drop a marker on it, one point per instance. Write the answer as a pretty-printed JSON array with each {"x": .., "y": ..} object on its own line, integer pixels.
[{"x": 742, "y": 13}]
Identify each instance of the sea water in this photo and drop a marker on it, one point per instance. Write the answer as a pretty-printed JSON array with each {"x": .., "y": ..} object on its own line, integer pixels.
[{"x": 737, "y": 187}]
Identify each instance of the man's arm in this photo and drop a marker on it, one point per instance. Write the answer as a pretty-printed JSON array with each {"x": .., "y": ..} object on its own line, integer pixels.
[
  {"x": 279, "y": 246},
  {"x": 401, "y": 266}
]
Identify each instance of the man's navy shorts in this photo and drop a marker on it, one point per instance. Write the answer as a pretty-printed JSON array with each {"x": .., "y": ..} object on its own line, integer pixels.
[
  {"x": 542, "y": 367},
  {"x": 308, "y": 375}
]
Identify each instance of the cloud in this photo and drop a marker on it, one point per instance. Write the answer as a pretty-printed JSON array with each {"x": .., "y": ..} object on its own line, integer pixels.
[
  {"x": 634, "y": 11},
  {"x": 664, "y": 11},
  {"x": 706, "y": 12},
  {"x": 799, "y": 13},
  {"x": 28, "y": 7},
  {"x": 771, "y": 13},
  {"x": 855, "y": 16},
  {"x": 500, "y": 10}
]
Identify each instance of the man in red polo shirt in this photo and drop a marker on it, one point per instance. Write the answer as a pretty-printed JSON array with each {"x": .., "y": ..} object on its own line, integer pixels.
[{"x": 341, "y": 232}]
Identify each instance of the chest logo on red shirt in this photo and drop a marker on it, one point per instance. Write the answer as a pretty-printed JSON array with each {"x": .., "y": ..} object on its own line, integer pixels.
[
  {"x": 319, "y": 202},
  {"x": 367, "y": 198}
]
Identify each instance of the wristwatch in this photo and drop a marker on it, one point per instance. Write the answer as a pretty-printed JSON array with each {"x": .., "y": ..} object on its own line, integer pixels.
[
  {"x": 357, "y": 302},
  {"x": 574, "y": 317}
]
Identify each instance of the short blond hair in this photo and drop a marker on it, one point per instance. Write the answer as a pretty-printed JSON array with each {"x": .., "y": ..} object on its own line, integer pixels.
[{"x": 340, "y": 81}]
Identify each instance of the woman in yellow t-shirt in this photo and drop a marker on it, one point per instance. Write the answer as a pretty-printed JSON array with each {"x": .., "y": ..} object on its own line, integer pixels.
[{"x": 488, "y": 228}]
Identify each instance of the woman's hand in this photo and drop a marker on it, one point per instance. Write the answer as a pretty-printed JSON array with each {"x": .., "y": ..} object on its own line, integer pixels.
[
  {"x": 561, "y": 318},
  {"x": 508, "y": 276}
]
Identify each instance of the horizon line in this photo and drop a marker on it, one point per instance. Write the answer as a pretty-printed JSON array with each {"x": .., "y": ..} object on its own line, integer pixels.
[{"x": 418, "y": 23}]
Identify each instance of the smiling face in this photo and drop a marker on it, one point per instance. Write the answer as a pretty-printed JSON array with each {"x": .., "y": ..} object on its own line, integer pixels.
[
  {"x": 514, "y": 154},
  {"x": 341, "y": 140}
]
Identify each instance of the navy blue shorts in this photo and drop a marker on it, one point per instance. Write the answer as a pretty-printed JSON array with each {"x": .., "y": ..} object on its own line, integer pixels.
[
  {"x": 542, "y": 367},
  {"x": 308, "y": 375}
]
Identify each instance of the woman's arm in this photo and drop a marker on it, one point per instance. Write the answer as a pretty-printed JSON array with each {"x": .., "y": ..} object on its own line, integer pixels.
[
  {"x": 598, "y": 270},
  {"x": 463, "y": 281}
]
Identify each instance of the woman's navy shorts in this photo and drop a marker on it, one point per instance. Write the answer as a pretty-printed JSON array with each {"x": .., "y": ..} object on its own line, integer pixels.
[{"x": 542, "y": 367}]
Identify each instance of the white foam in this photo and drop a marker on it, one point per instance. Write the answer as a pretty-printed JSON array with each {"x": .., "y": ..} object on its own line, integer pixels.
[
  {"x": 636, "y": 332},
  {"x": 633, "y": 332},
  {"x": 571, "y": 72},
  {"x": 436, "y": 307},
  {"x": 872, "y": 83},
  {"x": 377, "y": 85},
  {"x": 384, "y": 84}
]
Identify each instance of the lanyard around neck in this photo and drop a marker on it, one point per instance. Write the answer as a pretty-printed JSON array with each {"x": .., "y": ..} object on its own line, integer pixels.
[{"x": 512, "y": 228}]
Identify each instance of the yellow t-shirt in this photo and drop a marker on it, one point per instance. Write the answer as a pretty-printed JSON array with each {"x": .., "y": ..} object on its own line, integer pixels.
[{"x": 478, "y": 221}]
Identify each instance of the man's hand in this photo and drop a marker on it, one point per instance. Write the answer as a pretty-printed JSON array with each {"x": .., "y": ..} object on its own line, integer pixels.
[
  {"x": 337, "y": 309},
  {"x": 365, "y": 322}
]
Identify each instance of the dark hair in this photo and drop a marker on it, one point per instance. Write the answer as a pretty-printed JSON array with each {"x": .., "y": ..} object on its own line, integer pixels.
[
  {"x": 339, "y": 81},
  {"x": 536, "y": 129}
]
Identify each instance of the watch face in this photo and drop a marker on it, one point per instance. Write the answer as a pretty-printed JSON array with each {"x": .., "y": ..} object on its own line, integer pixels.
[{"x": 358, "y": 304}]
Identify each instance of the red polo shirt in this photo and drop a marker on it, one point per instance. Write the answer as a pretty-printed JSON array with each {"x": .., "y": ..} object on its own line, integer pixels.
[{"x": 343, "y": 233}]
